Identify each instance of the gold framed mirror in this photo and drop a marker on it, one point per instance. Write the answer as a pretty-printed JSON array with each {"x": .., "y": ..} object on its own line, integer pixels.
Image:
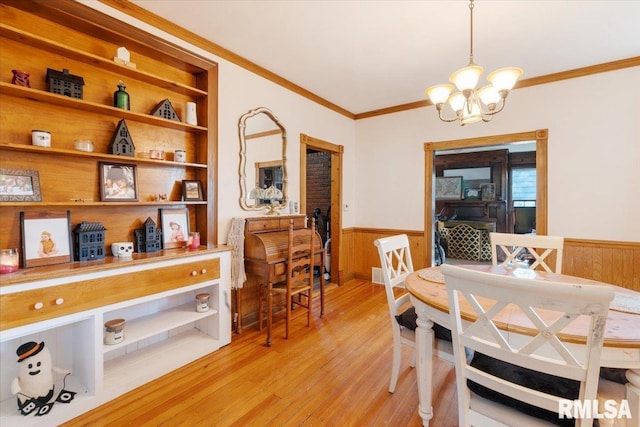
[{"x": 263, "y": 146}]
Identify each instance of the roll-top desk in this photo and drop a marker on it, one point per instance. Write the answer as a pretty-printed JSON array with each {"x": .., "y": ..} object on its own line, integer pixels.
[{"x": 265, "y": 256}]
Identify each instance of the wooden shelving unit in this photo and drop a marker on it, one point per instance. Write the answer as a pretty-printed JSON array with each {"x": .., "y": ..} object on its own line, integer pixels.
[
  {"x": 68, "y": 177},
  {"x": 67, "y": 304}
]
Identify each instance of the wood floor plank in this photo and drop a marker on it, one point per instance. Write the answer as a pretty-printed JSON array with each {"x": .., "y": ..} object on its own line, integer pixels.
[{"x": 334, "y": 373}]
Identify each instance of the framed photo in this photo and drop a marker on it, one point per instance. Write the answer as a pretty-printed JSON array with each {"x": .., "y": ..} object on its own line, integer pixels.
[
  {"x": 175, "y": 227},
  {"x": 449, "y": 188},
  {"x": 488, "y": 191},
  {"x": 472, "y": 194},
  {"x": 19, "y": 185},
  {"x": 46, "y": 238},
  {"x": 191, "y": 191},
  {"x": 118, "y": 182}
]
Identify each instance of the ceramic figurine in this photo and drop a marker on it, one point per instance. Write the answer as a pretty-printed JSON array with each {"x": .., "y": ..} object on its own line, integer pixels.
[{"x": 20, "y": 78}]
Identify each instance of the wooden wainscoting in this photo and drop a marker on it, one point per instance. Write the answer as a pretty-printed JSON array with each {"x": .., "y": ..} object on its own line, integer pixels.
[
  {"x": 607, "y": 261},
  {"x": 363, "y": 254}
]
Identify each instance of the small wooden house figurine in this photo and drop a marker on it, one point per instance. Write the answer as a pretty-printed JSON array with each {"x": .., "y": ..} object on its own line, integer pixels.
[
  {"x": 166, "y": 111},
  {"x": 148, "y": 238},
  {"x": 63, "y": 83},
  {"x": 121, "y": 143},
  {"x": 89, "y": 241}
]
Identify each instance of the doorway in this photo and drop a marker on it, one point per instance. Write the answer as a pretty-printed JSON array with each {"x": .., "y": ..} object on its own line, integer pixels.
[
  {"x": 541, "y": 139},
  {"x": 330, "y": 155}
]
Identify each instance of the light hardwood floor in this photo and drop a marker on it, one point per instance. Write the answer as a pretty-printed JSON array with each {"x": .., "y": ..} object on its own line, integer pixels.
[{"x": 334, "y": 373}]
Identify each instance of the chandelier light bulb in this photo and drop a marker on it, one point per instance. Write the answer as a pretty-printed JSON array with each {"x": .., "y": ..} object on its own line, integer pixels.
[
  {"x": 467, "y": 77},
  {"x": 457, "y": 101},
  {"x": 439, "y": 94},
  {"x": 489, "y": 95},
  {"x": 505, "y": 78}
]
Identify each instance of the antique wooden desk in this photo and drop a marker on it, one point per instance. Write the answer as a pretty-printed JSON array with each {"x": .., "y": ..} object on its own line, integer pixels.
[
  {"x": 429, "y": 296},
  {"x": 265, "y": 252}
]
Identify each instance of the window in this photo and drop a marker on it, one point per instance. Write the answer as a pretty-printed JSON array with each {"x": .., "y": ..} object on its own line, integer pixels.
[{"x": 523, "y": 190}]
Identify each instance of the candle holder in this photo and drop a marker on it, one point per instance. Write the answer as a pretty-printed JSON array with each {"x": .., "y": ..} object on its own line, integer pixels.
[{"x": 9, "y": 260}]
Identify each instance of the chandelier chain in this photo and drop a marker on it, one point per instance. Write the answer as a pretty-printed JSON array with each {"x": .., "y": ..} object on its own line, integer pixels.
[{"x": 471, "y": 6}]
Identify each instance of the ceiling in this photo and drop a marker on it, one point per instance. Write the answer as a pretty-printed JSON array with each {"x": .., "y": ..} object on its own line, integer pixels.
[{"x": 371, "y": 54}]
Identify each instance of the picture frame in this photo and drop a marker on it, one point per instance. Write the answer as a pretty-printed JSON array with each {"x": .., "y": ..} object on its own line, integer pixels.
[
  {"x": 191, "y": 190},
  {"x": 175, "y": 227},
  {"x": 19, "y": 185},
  {"x": 449, "y": 188},
  {"x": 488, "y": 191},
  {"x": 472, "y": 194},
  {"x": 118, "y": 182},
  {"x": 46, "y": 238}
]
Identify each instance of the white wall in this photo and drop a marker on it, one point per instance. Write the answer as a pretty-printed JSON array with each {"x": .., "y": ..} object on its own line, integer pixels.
[
  {"x": 594, "y": 156},
  {"x": 241, "y": 91},
  {"x": 594, "y": 148}
]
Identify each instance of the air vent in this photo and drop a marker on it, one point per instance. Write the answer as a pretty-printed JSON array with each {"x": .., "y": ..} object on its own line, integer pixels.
[{"x": 376, "y": 275}]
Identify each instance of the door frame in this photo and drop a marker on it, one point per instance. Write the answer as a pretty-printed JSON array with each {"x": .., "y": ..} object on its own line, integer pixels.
[
  {"x": 336, "y": 152},
  {"x": 541, "y": 136}
]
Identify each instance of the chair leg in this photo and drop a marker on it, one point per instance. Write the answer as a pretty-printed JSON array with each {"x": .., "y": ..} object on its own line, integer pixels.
[
  {"x": 395, "y": 368},
  {"x": 309, "y": 306},
  {"x": 269, "y": 313},
  {"x": 321, "y": 294},
  {"x": 261, "y": 307},
  {"x": 288, "y": 318}
]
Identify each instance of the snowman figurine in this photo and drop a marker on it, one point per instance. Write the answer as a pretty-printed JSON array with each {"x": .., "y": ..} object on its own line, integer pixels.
[{"x": 34, "y": 385}]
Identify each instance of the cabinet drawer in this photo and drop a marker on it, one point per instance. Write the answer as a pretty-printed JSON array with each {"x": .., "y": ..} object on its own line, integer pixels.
[
  {"x": 298, "y": 222},
  {"x": 22, "y": 308},
  {"x": 257, "y": 225},
  {"x": 263, "y": 225}
]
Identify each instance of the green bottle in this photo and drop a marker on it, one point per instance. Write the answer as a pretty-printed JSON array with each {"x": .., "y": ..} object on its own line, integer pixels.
[{"x": 121, "y": 97}]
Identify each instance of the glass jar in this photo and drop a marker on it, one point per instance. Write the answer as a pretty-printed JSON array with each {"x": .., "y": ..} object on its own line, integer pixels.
[
  {"x": 9, "y": 260},
  {"x": 202, "y": 303},
  {"x": 121, "y": 97},
  {"x": 114, "y": 331},
  {"x": 194, "y": 240}
]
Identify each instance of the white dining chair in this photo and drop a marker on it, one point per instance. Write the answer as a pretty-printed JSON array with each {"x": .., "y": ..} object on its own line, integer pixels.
[
  {"x": 545, "y": 350},
  {"x": 395, "y": 259},
  {"x": 396, "y": 263},
  {"x": 518, "y": 249}
]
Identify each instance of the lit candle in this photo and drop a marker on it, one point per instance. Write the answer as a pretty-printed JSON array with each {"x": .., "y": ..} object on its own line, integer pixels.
[{"x": 8, "y": 260}]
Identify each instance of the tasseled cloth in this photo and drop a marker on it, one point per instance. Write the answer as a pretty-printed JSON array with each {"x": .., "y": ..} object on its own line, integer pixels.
[{"x": 235, "y": 239}]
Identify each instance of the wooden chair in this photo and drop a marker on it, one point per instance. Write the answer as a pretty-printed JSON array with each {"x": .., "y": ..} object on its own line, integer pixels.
[
  {"x": 515, "y": 247},
  {"x": 297, "y": 288},
  {"x": 551, "y": 307}
]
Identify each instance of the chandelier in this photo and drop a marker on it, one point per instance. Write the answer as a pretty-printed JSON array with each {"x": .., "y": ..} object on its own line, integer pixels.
[{"x": 470, "y": 104}]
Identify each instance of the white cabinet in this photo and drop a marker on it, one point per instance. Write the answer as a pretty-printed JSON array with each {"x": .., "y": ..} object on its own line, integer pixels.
[{"x": 163, "y": 330}]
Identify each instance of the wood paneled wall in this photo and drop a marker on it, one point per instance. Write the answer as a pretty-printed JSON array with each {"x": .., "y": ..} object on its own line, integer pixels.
[
  {"x": 612, "y": 262},
  {"x": 606, "y": 261}
]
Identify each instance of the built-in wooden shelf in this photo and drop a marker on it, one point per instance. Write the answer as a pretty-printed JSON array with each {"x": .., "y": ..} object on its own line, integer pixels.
[
  {"x": 97, "y": 61},
  {"x": 93, "y": 107},
  {"x": 95, "y": 156}
]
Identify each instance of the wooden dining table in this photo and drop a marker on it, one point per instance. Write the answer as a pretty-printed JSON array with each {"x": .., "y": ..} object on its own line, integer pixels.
[{"x": 621, "y": 348}]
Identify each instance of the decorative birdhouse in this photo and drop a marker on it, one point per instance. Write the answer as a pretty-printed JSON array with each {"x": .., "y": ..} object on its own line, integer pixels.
[
  {"x": 121, "y": 143},
  {"x": 89, "y": 241},
  {"x": 148, "y": 238},
  {"x": 166, "y": 111},
  {"x": 63, "y": 83}
]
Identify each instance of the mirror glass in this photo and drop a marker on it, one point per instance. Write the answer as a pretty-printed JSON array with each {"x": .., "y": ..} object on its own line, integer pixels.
[{"x": 263, "y": 172}]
